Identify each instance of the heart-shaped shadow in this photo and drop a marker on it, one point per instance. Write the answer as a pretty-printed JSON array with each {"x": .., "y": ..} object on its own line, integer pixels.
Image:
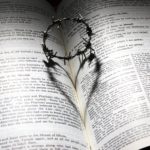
[
  {"x": 52, "y": 65},
  {"x": 87, "y": 55}
]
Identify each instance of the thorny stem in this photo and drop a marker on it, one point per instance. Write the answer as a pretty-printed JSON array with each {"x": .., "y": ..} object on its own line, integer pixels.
[{"x": 87, "y": 42}]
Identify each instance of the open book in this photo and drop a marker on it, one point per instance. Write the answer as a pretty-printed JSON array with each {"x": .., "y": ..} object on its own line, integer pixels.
[{"x": 36, "y": 113}]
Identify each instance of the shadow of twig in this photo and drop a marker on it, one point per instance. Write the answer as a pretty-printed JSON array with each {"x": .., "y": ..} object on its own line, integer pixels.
[
  {"x": 80, "y": 67},
  {"x": 54, "y": 80},
  {"x": 97, "y": 71}
]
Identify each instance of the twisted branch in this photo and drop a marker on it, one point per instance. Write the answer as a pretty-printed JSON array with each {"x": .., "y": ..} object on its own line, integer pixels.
[{"x": 87, "y": 42}]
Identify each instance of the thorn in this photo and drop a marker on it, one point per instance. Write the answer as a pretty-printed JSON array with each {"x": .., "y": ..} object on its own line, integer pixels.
[
  {"x": 55, "y": 53},
  {"x": 81, "y": 17},
  {"x": 84, "y": 39},
  {"x": 91, "y": 49}
]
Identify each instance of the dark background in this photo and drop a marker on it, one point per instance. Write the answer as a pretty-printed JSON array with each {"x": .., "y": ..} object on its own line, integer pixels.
[{"x": 54, "y": 3}]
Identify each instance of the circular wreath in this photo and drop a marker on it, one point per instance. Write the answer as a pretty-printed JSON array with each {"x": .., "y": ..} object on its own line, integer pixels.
[{"x": 49, "y": 53}]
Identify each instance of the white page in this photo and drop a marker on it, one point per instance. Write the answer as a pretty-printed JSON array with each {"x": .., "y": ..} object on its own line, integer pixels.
[
  {"x": 34, "y": 113},
  {"x": 119, "y": 110}
]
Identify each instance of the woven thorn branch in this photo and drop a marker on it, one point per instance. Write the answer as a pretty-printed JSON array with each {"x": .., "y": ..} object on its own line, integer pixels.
[{"x": 49, "y": 53}]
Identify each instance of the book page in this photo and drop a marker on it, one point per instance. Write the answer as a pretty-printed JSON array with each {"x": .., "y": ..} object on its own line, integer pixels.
[
  {"x": 118, "y": 115},
  {"x": 35, "y": 111}
]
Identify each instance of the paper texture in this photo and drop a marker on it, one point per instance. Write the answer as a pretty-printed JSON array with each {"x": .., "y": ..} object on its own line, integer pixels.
[
  {"x": 119, "y": 109},
  {"x": 34, "y": 112}
]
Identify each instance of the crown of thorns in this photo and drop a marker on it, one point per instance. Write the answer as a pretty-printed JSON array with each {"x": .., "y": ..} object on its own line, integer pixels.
[{"x": 49, "y": 53}]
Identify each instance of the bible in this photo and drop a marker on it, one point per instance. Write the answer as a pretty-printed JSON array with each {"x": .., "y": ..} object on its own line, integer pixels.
[{"x": 45, "y": 108}]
